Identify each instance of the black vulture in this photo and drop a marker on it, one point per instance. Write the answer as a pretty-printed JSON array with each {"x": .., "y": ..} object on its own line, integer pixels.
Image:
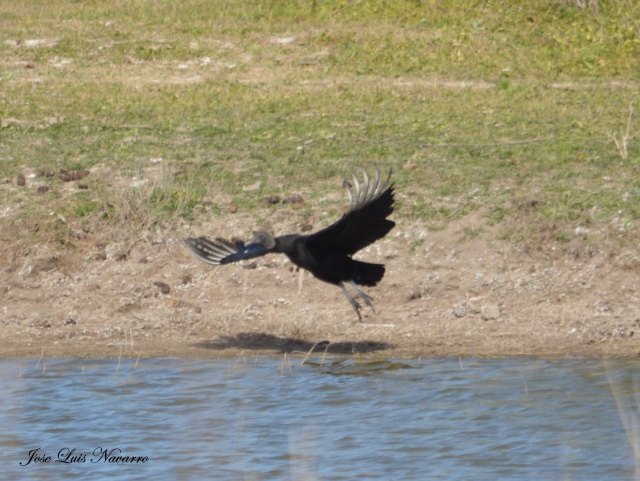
[{"x": 326, "y": 253}]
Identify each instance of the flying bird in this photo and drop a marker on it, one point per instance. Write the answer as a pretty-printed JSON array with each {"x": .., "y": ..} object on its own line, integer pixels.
[{"x": 327, "y": 254}]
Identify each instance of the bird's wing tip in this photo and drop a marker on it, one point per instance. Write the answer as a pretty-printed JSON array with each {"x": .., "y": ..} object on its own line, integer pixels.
[{"x": 362, "y": 194}]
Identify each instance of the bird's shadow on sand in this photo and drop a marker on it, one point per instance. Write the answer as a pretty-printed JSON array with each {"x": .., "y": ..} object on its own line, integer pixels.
[{"x": 261, "y": 341}]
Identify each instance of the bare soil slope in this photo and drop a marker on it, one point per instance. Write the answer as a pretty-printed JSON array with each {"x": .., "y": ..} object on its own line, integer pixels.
[{"x": 452, "y": 295}]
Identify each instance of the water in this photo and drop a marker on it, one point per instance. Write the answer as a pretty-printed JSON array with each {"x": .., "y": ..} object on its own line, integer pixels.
[{"x": 267, "y": 419}]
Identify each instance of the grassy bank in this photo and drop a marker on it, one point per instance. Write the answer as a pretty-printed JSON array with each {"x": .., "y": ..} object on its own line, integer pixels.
[{"x": 192, "y": 109}]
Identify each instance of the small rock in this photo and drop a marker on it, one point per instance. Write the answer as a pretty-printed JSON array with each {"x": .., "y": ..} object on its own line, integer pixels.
[
  {"x": 45, "y": 173},
  {"x": 186, "y": 279},
  {"x": 163, "y": 286},
  {"x": 294, "y": 199},
  {"x": 271, "y": 199},
  {"x": 129, "y": 307},
  {"x": 460, "y": 310},
  {"x": 489, "y": 311},
  {"x": 79, "y": 234},
  {"x": 416, "y": 293},
  {"x": 70, "y": 175},
  {"x": 464, "y": 308},
  {"x": 117, "y": 251}
]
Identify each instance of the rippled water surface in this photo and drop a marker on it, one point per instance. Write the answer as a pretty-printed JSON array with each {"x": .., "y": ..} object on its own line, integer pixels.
[{"x": 266, "y": 419}]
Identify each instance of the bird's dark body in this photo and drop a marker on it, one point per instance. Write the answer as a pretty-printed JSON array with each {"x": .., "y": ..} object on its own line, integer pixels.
[
  {"x": 327, "y": 254},
  {"x": 328, "y": 262}
]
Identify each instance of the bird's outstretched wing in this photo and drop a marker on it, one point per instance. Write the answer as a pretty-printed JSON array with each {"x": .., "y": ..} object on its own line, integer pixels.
[
  {"x": 221, "y": 251},
  {"x": 366, "y": 221}
]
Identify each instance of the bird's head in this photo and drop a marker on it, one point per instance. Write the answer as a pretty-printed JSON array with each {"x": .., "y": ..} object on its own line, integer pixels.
[{"x": 261, "y": 238}]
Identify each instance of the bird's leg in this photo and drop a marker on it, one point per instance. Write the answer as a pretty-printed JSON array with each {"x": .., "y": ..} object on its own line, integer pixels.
[
  {"x": 367, "y": 299},
  {"x": 351, "y": 300}
]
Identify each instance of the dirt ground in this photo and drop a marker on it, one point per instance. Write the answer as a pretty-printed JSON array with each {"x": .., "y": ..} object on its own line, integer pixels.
[{"x": 445, "y": 293}]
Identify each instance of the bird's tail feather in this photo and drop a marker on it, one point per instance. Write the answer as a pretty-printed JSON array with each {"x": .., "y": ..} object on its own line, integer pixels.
[{"x": 367, "y": 274}]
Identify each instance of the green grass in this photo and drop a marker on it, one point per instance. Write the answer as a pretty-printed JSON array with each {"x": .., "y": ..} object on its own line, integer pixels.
[{"x": 496, "y": 105}]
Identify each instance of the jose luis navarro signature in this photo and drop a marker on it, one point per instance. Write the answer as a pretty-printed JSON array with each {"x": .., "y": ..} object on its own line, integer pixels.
[{"x": 70, "y": 456}]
